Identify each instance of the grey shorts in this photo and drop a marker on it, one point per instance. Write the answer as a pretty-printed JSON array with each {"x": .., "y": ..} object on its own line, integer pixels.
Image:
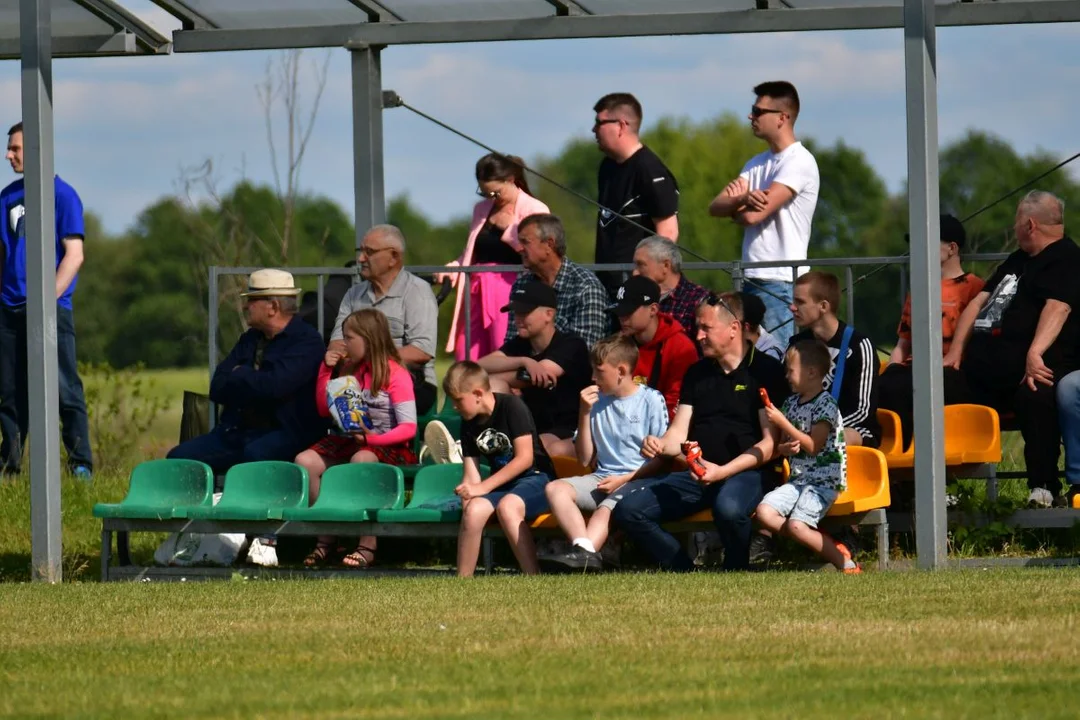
[
  {"x": 805, "y": 503},
  {"x": 589, "y": 498}
]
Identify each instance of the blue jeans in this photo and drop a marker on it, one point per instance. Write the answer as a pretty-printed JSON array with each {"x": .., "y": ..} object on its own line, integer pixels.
[
  {"x": 223, "y": 447},
  {"x": 14, "y": 401},
  {"x": 1068, "y": 404},
  {"x": 678, "y": 495},
  {"x": 778, "y": 318}
]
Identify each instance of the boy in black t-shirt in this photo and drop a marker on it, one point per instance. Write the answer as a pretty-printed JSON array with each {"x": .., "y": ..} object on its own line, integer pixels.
[
  {"x": 549, "y": 367},
  {"x": 633, "y": 183},
  {"x": 500, "y": 429}
]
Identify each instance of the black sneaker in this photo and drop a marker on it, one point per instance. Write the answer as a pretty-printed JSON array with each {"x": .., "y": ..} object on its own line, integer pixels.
[
  {"x": 576, "y": 559},
  {"x": 761, "y": 549}
]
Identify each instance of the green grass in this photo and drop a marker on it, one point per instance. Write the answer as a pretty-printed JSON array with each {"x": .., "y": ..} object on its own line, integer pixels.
[{"x": 950, "y": 644}]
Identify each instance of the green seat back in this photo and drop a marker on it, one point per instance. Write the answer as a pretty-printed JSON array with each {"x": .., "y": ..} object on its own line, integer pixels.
[
  {"x": 260, "y": 491},
  {"x": 347, "y": 492},
  {"x": 156, "y": 487},
  {"x": 435, "y": 482}
]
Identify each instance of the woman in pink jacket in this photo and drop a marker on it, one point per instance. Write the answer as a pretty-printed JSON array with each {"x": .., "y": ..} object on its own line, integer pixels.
[{"x": 492, "y": 241}]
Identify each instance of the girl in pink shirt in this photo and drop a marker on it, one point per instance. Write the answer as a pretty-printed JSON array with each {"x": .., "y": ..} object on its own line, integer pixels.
[{"x": 387, "y": 393}]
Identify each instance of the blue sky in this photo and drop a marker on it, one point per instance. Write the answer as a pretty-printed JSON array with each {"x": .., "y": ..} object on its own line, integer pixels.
[{"x": 127, "y": 127}]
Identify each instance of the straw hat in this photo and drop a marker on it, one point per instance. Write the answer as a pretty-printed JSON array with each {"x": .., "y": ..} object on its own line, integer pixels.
[{"x": 271, "y": 283}]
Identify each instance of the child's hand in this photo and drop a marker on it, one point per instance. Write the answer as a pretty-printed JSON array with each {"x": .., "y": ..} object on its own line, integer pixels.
[
  {"x": 541, "y": 377},
  {"x": 467, "y": 491},
  {"x": 359, "y": 437},
  {"x": 589, "y": 396},
  {"x": 790, "y": 447},
  {"x": 613, "y": 482},
  {"x": 651, "y": 447},
  {"x": 775, "y": 416},
  {"x": 333, "y": 357}
]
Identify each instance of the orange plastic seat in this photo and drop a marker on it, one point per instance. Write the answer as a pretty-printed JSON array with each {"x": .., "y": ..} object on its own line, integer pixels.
[
  {"x": 547, "y": 520},
  {"x": 867, "y": 482},
  {"x": 892, "y": 441},
  {"x": 567, "y": 467},
  {"x": 972, "y": 435}
]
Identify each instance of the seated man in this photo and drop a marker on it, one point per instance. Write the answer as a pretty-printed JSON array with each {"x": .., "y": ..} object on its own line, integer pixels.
[
  {"x": 721, "y": 409},
  {"x": 549, "y": 367},
  {"x": 266, "y": 384},
  {"x": 1019, "y": 336},
  {"x": 580, "y": 298},
  {"x": 660, "y": 260},
  {"x": 407, "y": 302},
  {"x": 753, "y": 315},
  {"x": 958, "y": 288},
  {"x": 817, "y": 296},
  {"x": 664, "y": 352}
]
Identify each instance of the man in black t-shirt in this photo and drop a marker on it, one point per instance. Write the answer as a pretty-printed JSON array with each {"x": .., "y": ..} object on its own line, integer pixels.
[
  {"x": 721, "y": 409},
  {"x": 816, "y": 297},
  {"x": 1018, "y": 337},
  {"x": 638, "y": 195},
  {"x": 549, "y": 367}
]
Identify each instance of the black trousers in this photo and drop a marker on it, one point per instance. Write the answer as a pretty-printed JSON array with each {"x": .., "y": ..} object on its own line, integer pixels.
[{"x": 896, "y": 392}]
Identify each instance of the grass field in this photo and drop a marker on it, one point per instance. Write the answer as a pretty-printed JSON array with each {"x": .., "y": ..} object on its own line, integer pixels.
[{"x": 952, "y": 644}]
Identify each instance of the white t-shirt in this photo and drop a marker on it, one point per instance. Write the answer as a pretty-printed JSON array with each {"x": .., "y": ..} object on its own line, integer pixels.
[{"x": 785, "y": 234}]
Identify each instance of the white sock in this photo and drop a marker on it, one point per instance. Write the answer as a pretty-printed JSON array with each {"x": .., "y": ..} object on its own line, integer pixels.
[
  {"x": 848, "y": 564},
  {"x": 585, "y": 544}
]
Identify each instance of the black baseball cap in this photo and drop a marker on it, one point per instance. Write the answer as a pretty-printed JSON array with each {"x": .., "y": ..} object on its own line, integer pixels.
[
  {"x": 530, "y": 296},
  {"x": 952, "y": 230},
  {"x": 753, "y": 309},
  {"x": 636, "y": 292}
]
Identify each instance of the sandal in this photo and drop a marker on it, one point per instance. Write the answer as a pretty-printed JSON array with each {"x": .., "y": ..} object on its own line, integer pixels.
[
  {"x": 361, "y": 558},
  {"x": 318, "y": 556}
]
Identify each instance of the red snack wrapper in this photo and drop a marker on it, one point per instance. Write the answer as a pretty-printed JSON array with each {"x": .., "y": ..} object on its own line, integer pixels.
[{"x": 765, "y": 397}]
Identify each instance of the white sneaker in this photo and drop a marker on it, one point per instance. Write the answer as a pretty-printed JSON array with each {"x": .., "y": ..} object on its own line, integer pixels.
[
  {"x": 441, "y": 444},
  {"x": 262, "y": 553},
  {"x": 1040, "y": 498}
]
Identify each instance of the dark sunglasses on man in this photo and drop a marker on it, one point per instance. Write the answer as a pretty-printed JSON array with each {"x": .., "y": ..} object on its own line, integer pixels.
[{"x": 757, "y": 112}]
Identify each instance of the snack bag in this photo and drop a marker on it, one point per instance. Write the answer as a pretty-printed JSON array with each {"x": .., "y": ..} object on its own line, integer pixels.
[{"x": 345, "y": 398}]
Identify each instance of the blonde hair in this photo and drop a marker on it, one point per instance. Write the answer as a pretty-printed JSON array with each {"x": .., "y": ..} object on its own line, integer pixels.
[
  {"x": 464, "y": 376},
  {"x": 615, "y": 350},
  {"x": 371, "y": 325}
]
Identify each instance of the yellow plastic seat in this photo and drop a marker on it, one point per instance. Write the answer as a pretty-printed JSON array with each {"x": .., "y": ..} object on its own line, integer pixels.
[
  {"x": 567, "y": 467},
  {"x": 892, "y": 441},
  {"x": 972, "y": 435},
  {"x": 867, "y": 482}
]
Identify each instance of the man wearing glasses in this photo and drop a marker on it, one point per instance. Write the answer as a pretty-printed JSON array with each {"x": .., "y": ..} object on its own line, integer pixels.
[
  {"x": 638, "y": 195},
  {"x": 774, "y": 198},
  {"x": 407, "y": 302}
]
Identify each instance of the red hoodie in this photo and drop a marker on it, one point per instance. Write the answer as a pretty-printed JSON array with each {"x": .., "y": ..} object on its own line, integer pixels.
[{"x": 677, "y": 353}]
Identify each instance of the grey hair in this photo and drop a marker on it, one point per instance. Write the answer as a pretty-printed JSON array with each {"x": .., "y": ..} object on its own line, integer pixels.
[
  {"x": 1045, "y": 207},
  {"x": 288, "y": 304},
  {"x": 390, "y": 233},
  {"x": 660, "y": 249},
  {"x": 549, "y": 227}
]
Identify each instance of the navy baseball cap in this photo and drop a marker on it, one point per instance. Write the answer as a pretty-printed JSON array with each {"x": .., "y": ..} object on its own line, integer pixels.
[
  {"x": 637, "y": 291},
  {"x": 530, "y": 296}
]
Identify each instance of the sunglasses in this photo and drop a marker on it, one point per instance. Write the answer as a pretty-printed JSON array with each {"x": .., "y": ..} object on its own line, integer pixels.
[
  {"x": 713, "y": 300},
  {"x": 609, "y": 121},
  {"x": 489, "y": 195},
  {"x": 757, "y": 112}
]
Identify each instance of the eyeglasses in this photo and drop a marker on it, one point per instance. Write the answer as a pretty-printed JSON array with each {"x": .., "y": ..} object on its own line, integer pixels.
[
  {"x": 757, "y": 112},
  {"x": 489, "y": 195},
  {"x": 609, "y": 121},
  {"x": 368, "y": 252},
  {"x": 713, "y": 300}
]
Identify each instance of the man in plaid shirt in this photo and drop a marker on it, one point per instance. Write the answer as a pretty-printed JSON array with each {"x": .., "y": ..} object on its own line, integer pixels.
[
  {"x": 580, "y": 297},
  {"x": 659, "y": 259}
]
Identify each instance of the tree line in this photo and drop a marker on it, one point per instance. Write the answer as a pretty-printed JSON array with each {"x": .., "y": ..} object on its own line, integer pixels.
[{"x": 142, "y": 295}]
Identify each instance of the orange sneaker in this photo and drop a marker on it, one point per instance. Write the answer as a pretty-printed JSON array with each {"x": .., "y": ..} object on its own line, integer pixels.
[{"x": 856, "y": 570}]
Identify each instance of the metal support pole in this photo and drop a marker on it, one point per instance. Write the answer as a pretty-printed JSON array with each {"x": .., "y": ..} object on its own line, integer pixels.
[
  {"x": 370, "y": 202},
  {"x": 920, "y": 57},
  {"x": 849, "y": 281},
  {"x": 35, "y": 27},
  {"x": 736, "y": 276},
  {"x": 465, "y": 288},
  {"x": 212, "y": 321},
  {"x": 321, "y": 311}
]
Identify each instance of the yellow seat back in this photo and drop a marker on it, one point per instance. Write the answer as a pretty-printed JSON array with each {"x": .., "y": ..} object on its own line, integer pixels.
[{"x": 867, "y": 482}]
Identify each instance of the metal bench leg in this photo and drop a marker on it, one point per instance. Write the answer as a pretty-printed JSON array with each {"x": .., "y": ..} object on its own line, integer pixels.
[
  {"x": 106, "y": 552},
  {"x": 883, "y": 546},
  {"x": 992, "y": 484},
  {"x": 489, "y": 556},
  {"x": 123, "y": 549}
]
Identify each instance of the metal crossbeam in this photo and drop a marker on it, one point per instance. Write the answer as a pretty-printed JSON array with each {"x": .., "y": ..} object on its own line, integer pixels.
[
  {"x": 122, "y": 43},
  {"x": 589, "y": 26},
  {"x": 190, "y": 19},
  {"x": 147, "y": 38},
  {"x": 376, "y": 11}
]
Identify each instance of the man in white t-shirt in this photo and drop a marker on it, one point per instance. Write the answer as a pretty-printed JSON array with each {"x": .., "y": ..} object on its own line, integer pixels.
[{"x": 774, "y": 198}]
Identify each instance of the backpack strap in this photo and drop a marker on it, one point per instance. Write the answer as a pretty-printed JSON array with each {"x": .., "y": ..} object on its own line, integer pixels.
[
  {"x": 654, "y": 375},
  {"x": 841, "y": 361}
]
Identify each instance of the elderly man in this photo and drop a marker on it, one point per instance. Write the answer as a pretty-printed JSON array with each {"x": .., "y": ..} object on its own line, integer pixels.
[
  {"x": 659, "y": 259},
  {"x": 581, "y": 299},
  {"x": 407, "y": 302},
  {"x": 1018, "y": 337},
  {"x": 266, "y": 384}
]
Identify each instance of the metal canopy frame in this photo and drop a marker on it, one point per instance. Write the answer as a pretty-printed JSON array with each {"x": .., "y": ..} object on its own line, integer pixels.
[{"x": 389, "y": 23}]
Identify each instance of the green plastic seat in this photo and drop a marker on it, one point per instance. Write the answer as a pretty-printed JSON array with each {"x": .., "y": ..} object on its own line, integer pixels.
[
  {"x": 258, "y": 491},
  {"x": 352, "y": 493},
  {"x": 433, "y": 498},
  {"x": 163, "y": 490}
]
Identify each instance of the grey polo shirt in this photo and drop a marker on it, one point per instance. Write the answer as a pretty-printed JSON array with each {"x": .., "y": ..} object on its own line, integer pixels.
[{"x": 410, "y": 308}]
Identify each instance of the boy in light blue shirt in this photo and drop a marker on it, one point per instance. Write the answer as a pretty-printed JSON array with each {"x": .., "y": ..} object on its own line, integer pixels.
[{"x": 615, "y": 416}]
